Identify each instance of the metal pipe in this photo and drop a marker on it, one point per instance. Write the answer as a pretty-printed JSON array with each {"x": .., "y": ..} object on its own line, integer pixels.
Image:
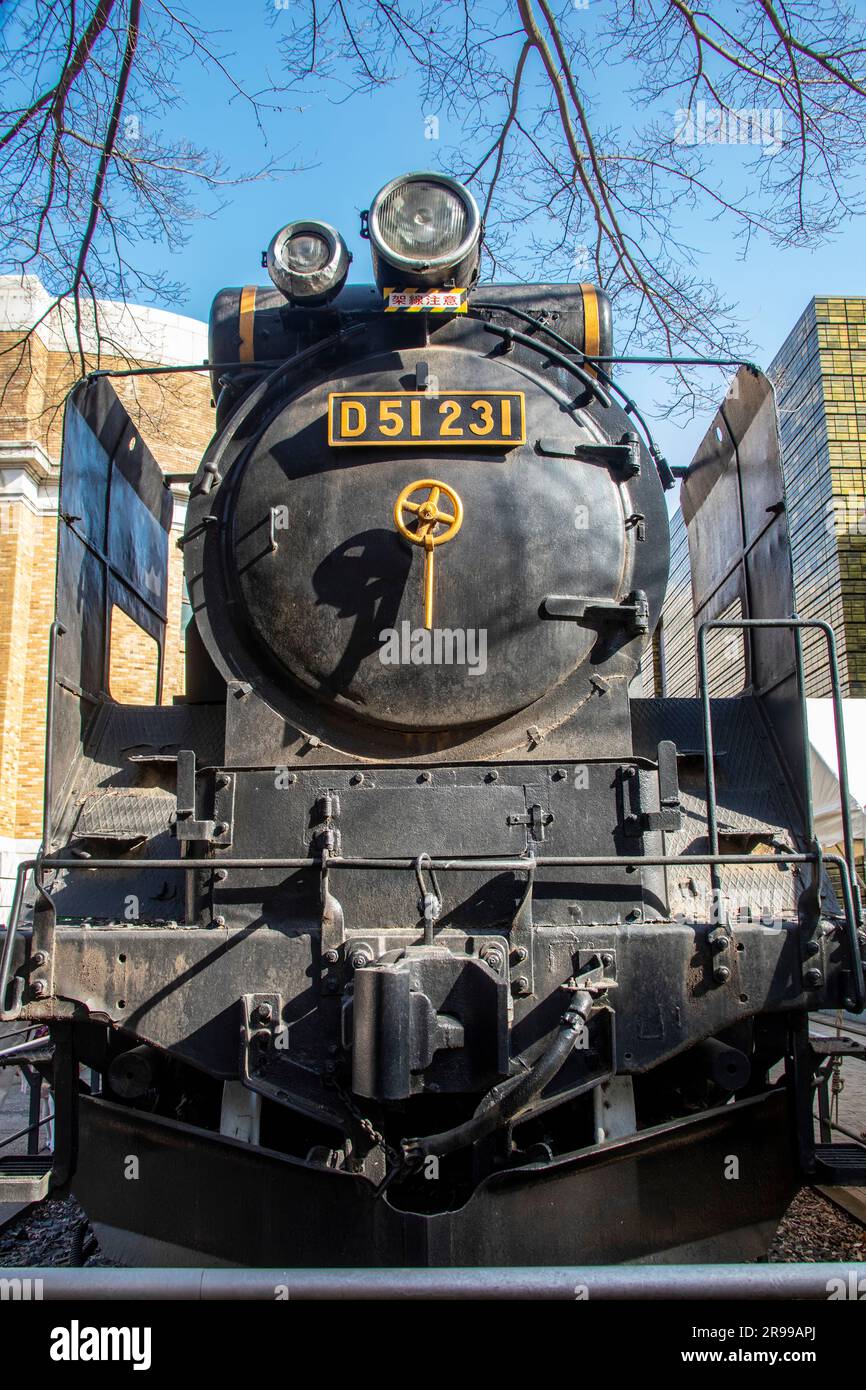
[
  {"x": 57, "y": 631},
  {"x": 526, "y": 866},
  {"x": 707, "y": 1282},
  {"x": 807, "y": 762},
  {"x": 458, "y": 865},
  {"x": 515, "y": 1095},
  {"x": 834, "y": 1124},
  {"x": 662, "y": 466},
  {"x": 10, "y": 1138},
  {"x": 727, "y": 1066},
  {"x": 511, "y": 335},
  {"x": 10, "y": 1014},
  {"x": 680, "y": 362},
  {"x": 842, "y": 766},
  {"x": 847, "y": 871},
  {"x": 22, "y": 1049},
  {"x": 709, "y": 763}
]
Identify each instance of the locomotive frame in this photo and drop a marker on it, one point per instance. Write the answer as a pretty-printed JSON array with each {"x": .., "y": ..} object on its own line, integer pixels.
[{"x": 416, "y": 1001}]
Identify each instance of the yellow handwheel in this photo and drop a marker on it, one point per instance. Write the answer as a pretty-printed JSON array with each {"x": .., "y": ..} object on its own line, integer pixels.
[{"x": 430, "y": 516}]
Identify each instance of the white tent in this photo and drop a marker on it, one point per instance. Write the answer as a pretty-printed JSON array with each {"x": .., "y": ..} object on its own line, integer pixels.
[{"x": 825, "y": 782}]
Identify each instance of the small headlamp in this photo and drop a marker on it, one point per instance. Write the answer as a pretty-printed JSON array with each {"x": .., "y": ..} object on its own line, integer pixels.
[{"x": 308, "y": 262}]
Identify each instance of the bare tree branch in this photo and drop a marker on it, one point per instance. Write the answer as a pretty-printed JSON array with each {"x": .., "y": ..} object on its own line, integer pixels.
[{"x": 569, "y": 193}]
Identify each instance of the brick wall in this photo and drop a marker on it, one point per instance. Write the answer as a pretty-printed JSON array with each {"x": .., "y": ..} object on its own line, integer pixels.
[{"x": 174, "y": 417}]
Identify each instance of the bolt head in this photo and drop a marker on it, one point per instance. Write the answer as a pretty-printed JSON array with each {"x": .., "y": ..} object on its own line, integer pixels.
[
  {"x": 521, "y": 985},
  {"x": 813, "y": 978},
  {"x": 493, "y": 957},
  {"x": 331, "y": 957},
  {"x": 359, "y": 960},
  {"x": 264, "y": 1012},
  {"x": 721, "y": 974},
  {"x": 39, "y": 989}
]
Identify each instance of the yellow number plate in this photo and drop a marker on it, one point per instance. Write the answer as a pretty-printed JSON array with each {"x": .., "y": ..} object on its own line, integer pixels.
[{"x": 407, "y": 418}]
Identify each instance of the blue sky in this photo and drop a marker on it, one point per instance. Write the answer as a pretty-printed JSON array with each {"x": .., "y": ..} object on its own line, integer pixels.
[{"x": 350, "y": 150}]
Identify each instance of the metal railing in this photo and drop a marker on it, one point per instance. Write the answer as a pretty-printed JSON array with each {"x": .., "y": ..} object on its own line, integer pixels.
[
  {"x": 596, "y": 1283},
  {"x": 528, "y": 863}
]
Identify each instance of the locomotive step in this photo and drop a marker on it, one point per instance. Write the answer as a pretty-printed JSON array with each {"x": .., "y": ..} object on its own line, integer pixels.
[
  {"x": 24, "y": 1177},
  {"x": 841, "y": 1165}
]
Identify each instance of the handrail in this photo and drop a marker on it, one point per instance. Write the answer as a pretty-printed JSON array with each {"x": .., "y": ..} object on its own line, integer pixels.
[
  {"x": 593, "y": 1282},
  {"x": 846, "y": 864},
  {"x": 527, "y": 864},
  {"x": 9, "y": 1015}
]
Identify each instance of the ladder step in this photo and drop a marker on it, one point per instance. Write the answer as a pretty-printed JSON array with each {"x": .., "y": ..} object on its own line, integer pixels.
[
  {"x": 840, "y": 1164},
  {"x": 24, "y": 1177}
]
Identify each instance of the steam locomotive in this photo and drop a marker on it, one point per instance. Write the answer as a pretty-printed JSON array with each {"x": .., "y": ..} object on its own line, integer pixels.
[{"x": 413, "y": 933}]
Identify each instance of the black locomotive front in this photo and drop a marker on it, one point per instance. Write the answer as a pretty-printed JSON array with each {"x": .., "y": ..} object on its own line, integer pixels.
[{"x": 428, "y": 962}]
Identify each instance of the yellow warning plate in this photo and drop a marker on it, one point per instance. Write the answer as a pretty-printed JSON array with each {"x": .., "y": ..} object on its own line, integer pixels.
[{"x": 409, "y": 301}]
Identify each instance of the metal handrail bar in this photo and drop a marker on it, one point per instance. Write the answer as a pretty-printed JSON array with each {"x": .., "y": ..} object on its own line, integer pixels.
[{"x": 594, "y": 1282}]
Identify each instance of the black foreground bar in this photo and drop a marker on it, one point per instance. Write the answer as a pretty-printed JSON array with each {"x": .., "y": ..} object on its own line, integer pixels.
[{"x": 760, "y": 1282}]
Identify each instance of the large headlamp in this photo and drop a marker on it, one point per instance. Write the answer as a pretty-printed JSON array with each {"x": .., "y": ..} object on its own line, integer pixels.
[
  {"x": 308, "y": 262},
  {"x": 424, "y": 229}
]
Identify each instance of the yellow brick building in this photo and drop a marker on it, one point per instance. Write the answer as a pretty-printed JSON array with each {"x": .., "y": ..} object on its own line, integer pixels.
[
  {"x": 820, "y": 379},
  {"x": 174, "y": 416}
]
